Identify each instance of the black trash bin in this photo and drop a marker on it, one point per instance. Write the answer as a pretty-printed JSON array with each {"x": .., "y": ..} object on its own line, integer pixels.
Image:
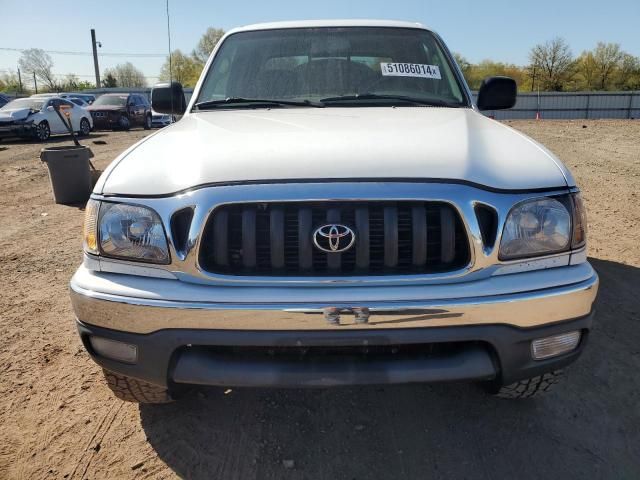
[{"x": 69, "y": 172}]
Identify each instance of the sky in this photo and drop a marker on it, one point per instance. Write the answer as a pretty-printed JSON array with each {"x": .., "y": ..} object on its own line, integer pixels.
[{"x": 498, "y": 29}]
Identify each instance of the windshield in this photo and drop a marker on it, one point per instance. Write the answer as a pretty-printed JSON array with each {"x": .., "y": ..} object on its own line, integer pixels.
[
  {"x": 312, "y": 64},
  {"x": 32, "y": 103},
  {"x": 112, "y": 100}
]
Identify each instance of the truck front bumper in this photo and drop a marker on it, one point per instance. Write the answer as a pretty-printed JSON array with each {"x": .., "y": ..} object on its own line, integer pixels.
[{"x": 259, "y": 336}]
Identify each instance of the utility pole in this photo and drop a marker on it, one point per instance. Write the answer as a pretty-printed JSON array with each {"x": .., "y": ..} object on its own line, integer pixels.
[
  {"x": 35, "y": 82},
  {"x": 533, "y": 80},
  {"x": 20, "y": 80},
  {"x": 94, "y": 45}
]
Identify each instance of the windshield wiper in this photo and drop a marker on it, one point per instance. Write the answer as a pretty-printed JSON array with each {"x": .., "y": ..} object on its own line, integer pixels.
[
  {"x": 257, "y": 101},
  {"x": 374, "y": 96}
]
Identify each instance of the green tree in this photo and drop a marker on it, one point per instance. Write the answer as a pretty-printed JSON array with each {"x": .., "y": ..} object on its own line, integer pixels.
[
  {"x": 465, "y": 67},
  {"x": 84, "y": 85},
  {"x": 109, "y": 80},
  {"x": 586, "y": 71},
  {"x": 462, "y": 62},
  {"x": 607, "y": 58},
  {"x": 474, "y": 74},
  {"x": 628, "y": 74},
  {"x": 127, "y": 75},
  {"x": 70, "y": 82},
  {"x": 9, "y": 83},
  {"x": 207, "y": 43},
  {"x": 184, "y": 69},
  {"x": 551, "y": 64}
]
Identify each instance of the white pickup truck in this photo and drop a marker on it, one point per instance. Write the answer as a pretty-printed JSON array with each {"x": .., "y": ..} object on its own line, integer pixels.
[{"x": 333, "y": 209}]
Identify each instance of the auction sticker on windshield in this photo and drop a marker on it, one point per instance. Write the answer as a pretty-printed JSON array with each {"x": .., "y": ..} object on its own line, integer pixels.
[{"x": 410, "y": 70}]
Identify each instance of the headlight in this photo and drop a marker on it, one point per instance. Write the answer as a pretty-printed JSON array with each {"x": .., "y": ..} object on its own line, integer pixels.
[
  {"x": 536, "y": 227},
  {"x": 129, "y": 232}
]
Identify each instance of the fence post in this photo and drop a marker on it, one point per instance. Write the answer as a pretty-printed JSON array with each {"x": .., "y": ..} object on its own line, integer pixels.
[
  {"x": 586, "y": 113},
  {"x": 630, "y": 105}
]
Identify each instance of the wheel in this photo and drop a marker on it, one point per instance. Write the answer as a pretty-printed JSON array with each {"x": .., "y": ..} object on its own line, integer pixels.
[
  {"x": 43, "y": 132},
  {"x": 147, "y": 122},
  {"x": 85, "y": 127},
  {"x": 132, "y": 390},
  {"x": 124, "y": 122},
  {"x": 527, "y": 388}
]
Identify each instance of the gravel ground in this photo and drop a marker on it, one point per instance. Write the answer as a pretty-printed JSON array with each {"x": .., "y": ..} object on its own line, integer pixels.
[{"x": 59, "y": 420}]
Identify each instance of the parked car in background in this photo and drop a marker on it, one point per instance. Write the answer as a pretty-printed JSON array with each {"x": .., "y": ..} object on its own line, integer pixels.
[
  {"x": 78, "y": 101},
  {"x": 121, "y": 111},
  {"x": 36, "y": 117},
  {"x": 87, "y": 97},
  {"x": 159, "y": 120},
  {"x": 4, "y": 99},
  {"x": 44, "y": 95}
]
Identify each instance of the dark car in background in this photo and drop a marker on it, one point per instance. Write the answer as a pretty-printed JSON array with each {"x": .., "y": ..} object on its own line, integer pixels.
[{"x": 120, "y": 111}]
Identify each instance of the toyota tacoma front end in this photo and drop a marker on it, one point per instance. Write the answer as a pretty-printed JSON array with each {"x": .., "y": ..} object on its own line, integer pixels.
[{"x": 333, "y": 209}]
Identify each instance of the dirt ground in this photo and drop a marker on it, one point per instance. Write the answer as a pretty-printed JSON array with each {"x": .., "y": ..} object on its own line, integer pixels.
[{"x": 59, "y": 420}]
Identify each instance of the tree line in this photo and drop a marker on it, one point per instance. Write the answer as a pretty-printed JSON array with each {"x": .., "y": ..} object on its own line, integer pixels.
[
  {"x": 552, "y": 67},
  {"x": 36, "y": 67}
]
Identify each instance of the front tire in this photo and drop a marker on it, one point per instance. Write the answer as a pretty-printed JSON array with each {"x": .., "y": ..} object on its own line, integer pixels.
[
  {"x": 85, "y": 127},
  {"x": 529, "y": 387},
  {"x": 132, "y": 390},
  {"x": 147, "y": 122},
  {"x": 43, "y": 132},
  {"x": 124, "y": 123}
]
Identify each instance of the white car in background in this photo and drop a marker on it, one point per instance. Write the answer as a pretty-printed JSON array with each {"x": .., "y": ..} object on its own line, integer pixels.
[
  {"x": 36, "y": 117},
  {"x": 159, "y": 120}
]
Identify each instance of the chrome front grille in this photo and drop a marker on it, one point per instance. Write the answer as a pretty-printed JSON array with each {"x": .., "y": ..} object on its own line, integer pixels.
[{"x": 276, "y": 239}]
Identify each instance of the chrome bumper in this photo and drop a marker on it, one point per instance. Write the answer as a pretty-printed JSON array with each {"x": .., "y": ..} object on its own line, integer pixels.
[{"x": 144, "y": 305}]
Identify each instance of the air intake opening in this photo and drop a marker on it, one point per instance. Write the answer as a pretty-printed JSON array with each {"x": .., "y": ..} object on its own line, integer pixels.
[
  {"x": 488, "y": 221},
  {"x": 180, "y": 225}
]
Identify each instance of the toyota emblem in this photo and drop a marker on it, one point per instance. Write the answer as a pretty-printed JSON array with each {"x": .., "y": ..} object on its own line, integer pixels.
[{"x": 334, "y": 238}]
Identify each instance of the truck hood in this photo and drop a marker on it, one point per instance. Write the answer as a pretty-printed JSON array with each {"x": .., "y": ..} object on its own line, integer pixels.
[
  {"x": 229, "y": 146},
  {"x": 14, "y": 114}
]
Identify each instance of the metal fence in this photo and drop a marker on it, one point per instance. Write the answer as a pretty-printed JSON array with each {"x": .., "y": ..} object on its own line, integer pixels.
[{"x": 571, "y": 105}]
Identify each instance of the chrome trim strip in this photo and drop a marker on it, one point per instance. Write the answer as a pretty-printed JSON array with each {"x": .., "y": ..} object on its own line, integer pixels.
[{"x": 285, "y": 181}]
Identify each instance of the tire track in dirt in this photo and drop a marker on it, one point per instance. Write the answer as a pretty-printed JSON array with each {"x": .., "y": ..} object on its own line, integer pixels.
[{"x": 95, "y": 442}]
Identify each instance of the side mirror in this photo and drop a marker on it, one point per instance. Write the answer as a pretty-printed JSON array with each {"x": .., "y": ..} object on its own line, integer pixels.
[
  {"x": 168, "y": 98},
  {"x": 497, "y": 93}
]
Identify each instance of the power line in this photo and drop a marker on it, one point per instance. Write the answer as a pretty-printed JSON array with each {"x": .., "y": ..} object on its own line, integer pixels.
[{"x": 102, "y": 54}]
